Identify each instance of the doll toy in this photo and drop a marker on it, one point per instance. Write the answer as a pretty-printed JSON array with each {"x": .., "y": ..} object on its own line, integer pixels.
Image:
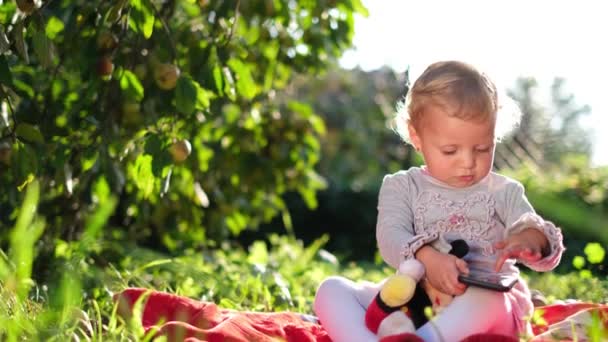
[{"x": 398, "y": 308}]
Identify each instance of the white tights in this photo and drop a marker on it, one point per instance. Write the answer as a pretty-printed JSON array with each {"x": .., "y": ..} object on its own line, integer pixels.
[{"x": 340, "y": 305}]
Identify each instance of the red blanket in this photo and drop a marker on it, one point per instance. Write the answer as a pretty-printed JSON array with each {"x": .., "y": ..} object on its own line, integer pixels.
[{"x": 180, "y": 318}]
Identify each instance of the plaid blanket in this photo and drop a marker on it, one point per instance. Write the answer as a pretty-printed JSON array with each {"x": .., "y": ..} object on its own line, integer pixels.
[{"x": 180, "y": 318}]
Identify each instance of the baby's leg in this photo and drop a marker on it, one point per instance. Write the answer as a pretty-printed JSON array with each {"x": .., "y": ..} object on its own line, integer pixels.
[
  {"x": 340, "y": 305},
  {"x": 476, "y": 311}
]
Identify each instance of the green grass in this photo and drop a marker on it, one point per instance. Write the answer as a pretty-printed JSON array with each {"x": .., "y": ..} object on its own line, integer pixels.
[{"x": 279, "y": 275}]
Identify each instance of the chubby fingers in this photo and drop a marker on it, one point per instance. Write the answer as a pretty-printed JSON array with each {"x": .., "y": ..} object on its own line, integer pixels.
[
  {"x": 462, "y": 266},
  {"x": 456, "y": 286},
  {"x": 505, "y": 254}
]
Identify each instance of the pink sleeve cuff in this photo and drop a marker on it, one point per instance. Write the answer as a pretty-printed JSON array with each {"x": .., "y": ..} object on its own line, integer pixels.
[{"x": 553, "y": 234}]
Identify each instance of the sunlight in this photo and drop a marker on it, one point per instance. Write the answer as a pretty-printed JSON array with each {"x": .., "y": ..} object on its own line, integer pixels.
[{"x": 542, "y": 39}]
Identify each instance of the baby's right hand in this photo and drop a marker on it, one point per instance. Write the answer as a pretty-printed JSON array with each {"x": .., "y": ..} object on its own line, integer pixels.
[{"x": 442, "y": 270}]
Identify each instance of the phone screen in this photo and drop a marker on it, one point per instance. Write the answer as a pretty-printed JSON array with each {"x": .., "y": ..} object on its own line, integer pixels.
[{"x": 491, "y": 281}]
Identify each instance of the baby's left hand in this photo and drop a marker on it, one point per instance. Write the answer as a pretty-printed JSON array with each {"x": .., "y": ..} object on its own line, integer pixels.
[{"x": 526, "y": 245}]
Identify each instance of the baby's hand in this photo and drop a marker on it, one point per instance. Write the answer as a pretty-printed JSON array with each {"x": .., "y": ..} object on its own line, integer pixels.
[
  {"x": 526, "y": 245},
  {"x": 442, "y": 270}
]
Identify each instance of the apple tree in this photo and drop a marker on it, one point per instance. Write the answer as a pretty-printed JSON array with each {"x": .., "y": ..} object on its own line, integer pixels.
[{"x": 169, "y": 112}]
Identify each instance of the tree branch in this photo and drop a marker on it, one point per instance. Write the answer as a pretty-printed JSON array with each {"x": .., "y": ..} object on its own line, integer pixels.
[
  {"x": 166, "y": 29},
  {"x": 236, "y": 19}
]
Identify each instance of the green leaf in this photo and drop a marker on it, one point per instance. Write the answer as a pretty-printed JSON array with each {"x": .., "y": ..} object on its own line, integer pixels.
[
  {"x": 26, "y": 164},
  {"x": 130, "y": 84},
  {"x": 218, "y": 79},
  {"x": 7, "y": 10},
  {"x": 29, "y": 133},
  {"x": 203, "y": 98},
  {"x": 359, "y": 8},
  {"x": 142, "y": 17},
  {"x": 143, "y": 176},
  {"x": 53, "y": 27},
  {"x": 43, "y": 48},
  {"x": 186, "y": 93},
  {"x": 258, "y": 253},
  {"x": 101, "y": 190},
  {"x": 595, "y": 252},
  {"x": 6, "y": 77},
  {"x": 89, "y": 159},
  {"x": 27, "y": 231},
  {"x": 155, "y": 147},
  {"x": 245, "y": 85},
  {"x": 96, "y": 221},
  {"x": 578, "y": 262}
]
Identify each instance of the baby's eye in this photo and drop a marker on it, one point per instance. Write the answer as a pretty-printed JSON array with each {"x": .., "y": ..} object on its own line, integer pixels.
[
  {"x": 483, "y": 150},
  {"x": 448, "y": 153}
]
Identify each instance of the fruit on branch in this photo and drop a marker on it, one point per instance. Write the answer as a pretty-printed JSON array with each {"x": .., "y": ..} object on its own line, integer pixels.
[
  {"x": 26, "y": 6},
  {"x": 131, "y": 113},
  {"x": 106, "y": 41},
  {"x": 105, "y": 67},
  {"x": 180, "y": 150},
  {"x": 166, "y": 75},
  {"x": 5, "y": 153}
]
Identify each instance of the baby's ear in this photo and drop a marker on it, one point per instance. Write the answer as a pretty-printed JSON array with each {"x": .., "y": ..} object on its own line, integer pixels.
[{"x": 414, "y": 137}]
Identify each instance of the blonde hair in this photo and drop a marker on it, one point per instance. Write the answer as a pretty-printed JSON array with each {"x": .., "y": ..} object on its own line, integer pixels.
[{"x": 461, "y": 91}]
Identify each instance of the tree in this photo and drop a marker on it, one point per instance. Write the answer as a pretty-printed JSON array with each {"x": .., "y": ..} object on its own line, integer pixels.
[
  {"x": 358, "y": 108},
  {"x": 547, "y": 132},
  {"x": 169, "y": 107}
]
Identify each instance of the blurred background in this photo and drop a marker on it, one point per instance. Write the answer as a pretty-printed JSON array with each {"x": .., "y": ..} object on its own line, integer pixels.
[
  {"x": 545, "y": 55},
  {"x": 196, "y": 145}
]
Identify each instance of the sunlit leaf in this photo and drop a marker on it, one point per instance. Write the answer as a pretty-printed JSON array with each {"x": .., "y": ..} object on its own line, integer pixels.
[
  {"x": 101, "y": 190},
  {"x": 245, "y": 85},
  {"x": 143, "y": 176},
  {"x": 7, "y": 10},
  {"x": 186, "y": 94},
  {"x": 130, "y": 84},
  {"x": 203, "y": 98},
  {"x": 578, "y": 262},
  {"x": 29, "y": 133},
  {"x": 89, "y": 159},
  {"x": 218, "y": 79},
  {"x": 27, "y": 231},
  {"x": 54, "y": 26},
  {"x": 258, "y": 253},
  {"x": 142, "y": 16},
  {"x": 595, "y": 253}
]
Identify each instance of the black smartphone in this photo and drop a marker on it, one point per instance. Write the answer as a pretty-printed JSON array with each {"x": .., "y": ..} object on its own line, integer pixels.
[{"x": 491, "y": 281}]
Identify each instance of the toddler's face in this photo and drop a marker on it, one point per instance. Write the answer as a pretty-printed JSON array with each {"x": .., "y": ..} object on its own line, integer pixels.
[{"x": 457, "y": 152}]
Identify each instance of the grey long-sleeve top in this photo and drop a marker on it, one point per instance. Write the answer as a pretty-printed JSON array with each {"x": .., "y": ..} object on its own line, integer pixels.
[{"x": 415, "y": 209}]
